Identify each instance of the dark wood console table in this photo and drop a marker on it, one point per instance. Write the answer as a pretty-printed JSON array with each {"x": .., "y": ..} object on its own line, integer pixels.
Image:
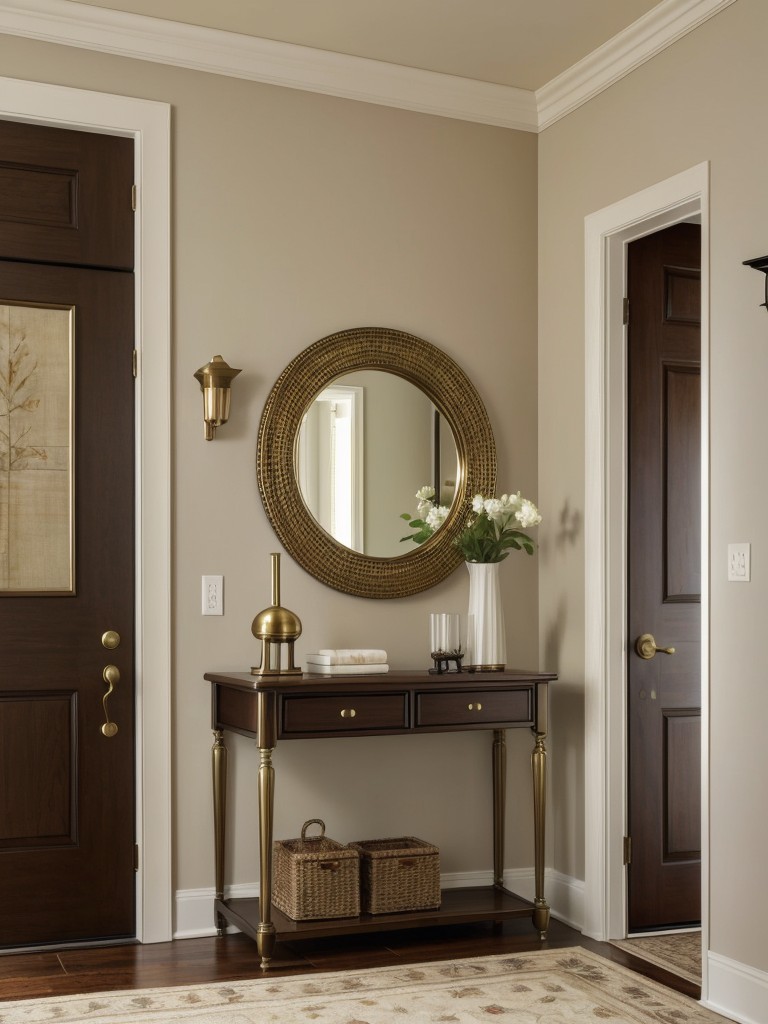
[{"x": 314, "y": 706}]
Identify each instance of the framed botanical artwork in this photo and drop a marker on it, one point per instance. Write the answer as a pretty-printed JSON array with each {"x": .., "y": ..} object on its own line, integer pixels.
[{"x": 36, "y": 448}]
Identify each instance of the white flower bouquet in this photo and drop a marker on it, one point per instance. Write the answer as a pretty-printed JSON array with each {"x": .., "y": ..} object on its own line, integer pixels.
[{"x": 495, "y": 526}]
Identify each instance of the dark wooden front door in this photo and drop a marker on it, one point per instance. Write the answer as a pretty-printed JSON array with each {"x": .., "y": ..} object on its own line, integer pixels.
[
  {"x": 67, "y": 804},
  {"x": 664, "y": 575}
]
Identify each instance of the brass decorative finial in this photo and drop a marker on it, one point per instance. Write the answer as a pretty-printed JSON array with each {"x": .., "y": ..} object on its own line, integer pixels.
[{"x": 275, "y": 626}]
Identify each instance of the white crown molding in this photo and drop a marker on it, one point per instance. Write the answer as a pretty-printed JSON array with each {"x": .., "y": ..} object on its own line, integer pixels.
[
  {"x": 356, "y": 78},
  {"x": 268, "y": 61},
  {"x": 649, "y": 35}
]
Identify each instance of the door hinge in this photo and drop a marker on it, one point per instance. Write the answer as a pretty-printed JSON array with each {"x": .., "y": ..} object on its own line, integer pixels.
[
  {"x": 134, "y": 197},
  {"x": 625, "y": 312},
  {"x": 135, "y": 856},
  {"x": 627, "y": 850},
  {"x": 135, "y": 363}
]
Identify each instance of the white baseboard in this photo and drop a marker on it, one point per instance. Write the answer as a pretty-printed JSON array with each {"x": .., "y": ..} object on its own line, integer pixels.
[
  {"x": 565, "y": 896},
  {"x": 736, "y": 990},
  {"x": 194, "y": 907}
]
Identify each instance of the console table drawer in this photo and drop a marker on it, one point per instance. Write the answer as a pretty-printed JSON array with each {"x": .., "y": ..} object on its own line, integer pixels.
[
  {"x": 474, "y": 707},
  {"x": 339, "y": 713}
]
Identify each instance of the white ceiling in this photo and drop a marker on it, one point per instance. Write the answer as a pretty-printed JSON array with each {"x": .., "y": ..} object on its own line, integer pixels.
[{"x": 519, "y": 43}]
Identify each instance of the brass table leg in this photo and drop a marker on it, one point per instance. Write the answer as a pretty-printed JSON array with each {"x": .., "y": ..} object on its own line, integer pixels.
[
  {"x": 219, "y": 766},
  {"x": 265, "y": 933},
  {"x": 499, "y": 757},
  {"x": 539, "y": 769}
]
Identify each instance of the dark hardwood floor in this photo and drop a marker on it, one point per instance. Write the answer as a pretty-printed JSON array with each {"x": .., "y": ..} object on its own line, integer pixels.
[{"x": 233, "y": 957}]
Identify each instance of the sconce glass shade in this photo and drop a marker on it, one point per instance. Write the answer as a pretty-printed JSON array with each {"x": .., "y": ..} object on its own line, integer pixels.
[{"x": 215, "y": 382}]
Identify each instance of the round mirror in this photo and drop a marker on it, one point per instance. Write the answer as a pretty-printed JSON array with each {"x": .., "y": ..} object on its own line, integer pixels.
[
  {"x": 367, "y": 444},
  {"x": 388, "y": 382}
]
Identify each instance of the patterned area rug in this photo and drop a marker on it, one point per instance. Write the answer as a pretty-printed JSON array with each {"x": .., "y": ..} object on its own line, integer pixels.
[
  {"x": 680, "y": 954},
  {"x": 559, "y": 986}
]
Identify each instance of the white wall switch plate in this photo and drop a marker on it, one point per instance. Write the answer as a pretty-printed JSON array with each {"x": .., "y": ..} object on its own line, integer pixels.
[
  {"x": 739, "y": 559},
  {"x": 213, "y": 595}
]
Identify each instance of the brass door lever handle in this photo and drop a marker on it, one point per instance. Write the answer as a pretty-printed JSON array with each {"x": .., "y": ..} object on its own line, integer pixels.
[
  {"x": 111, "y": 676},
  {"x": 645, "y": 646}
]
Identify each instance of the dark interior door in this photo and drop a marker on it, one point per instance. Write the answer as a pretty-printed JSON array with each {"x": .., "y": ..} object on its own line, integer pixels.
[
  {"x": 664, "y": 575},
  {"x": 67, "y": 801}
]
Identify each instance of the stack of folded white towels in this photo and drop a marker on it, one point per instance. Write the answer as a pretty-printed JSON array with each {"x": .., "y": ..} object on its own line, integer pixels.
[{"x": 354, "y": 661}]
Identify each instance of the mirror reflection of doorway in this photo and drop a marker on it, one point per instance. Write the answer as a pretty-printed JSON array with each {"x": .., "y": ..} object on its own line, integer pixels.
[
  {"x": 368, "y": 442},
  {"x": 330, "y": 463}
]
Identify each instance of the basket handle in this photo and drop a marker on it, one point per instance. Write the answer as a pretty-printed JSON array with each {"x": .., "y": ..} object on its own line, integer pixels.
[
  {"x": 407, "y": 862},
  {"x": 312, "y": 821}
]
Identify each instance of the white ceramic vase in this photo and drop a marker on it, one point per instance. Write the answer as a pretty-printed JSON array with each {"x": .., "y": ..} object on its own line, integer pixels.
[{"x": 486, "y": 638}]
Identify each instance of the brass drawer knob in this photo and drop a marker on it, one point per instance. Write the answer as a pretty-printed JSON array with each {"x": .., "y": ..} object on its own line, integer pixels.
[
  {"x": 348, "y": 713},
  {"x": 475, "y": 707}
]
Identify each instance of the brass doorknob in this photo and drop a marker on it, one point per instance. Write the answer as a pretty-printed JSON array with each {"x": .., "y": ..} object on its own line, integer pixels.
[{"x": 645, "y": 646}]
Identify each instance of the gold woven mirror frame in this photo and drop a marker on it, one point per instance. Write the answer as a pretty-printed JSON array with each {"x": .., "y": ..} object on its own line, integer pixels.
[{"x": 446, "y": 386}]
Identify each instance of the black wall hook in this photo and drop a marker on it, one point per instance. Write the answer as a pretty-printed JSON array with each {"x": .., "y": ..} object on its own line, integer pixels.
[{"x": 761, "y": 263}]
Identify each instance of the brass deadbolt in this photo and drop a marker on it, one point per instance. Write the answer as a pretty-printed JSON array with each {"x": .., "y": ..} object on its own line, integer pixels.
[{"x": 110, "y": 639}]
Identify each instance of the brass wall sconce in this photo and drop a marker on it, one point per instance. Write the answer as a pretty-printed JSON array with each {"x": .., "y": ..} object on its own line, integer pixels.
[
  {"x": 761, "y": 263},
  {"x": 215, "y": 382}
]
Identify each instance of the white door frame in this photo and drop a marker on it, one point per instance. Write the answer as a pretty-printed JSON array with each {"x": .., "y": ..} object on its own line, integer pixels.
[
  {"x": 148, "y": 123},
  {"x": 607, "y": 235}
]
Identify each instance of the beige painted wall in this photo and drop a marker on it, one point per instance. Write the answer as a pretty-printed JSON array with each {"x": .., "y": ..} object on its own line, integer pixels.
[
  {"x": 700, "y": 100},
  {"x": 296, "y": 215}
]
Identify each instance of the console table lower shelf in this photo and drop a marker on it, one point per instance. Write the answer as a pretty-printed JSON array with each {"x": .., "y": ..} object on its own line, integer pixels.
[{"x": 459, "y": 906}]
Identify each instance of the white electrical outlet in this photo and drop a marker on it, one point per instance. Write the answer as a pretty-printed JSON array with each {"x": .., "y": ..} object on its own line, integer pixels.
[
  {"x": 739, "y": 568},
  {"x": 213, "y": 595}
]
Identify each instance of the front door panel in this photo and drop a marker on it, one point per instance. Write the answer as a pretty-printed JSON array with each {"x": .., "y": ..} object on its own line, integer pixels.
[{"x": 66, "y": 785}]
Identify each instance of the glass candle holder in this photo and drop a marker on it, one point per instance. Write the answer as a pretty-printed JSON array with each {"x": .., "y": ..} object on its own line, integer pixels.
[{"x": 444, "y": 632}]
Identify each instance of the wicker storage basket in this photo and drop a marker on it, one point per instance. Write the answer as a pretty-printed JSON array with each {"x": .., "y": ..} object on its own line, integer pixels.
[
  {"x": 315, "y": 878},
  {"x": 398, "y": 875}
]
